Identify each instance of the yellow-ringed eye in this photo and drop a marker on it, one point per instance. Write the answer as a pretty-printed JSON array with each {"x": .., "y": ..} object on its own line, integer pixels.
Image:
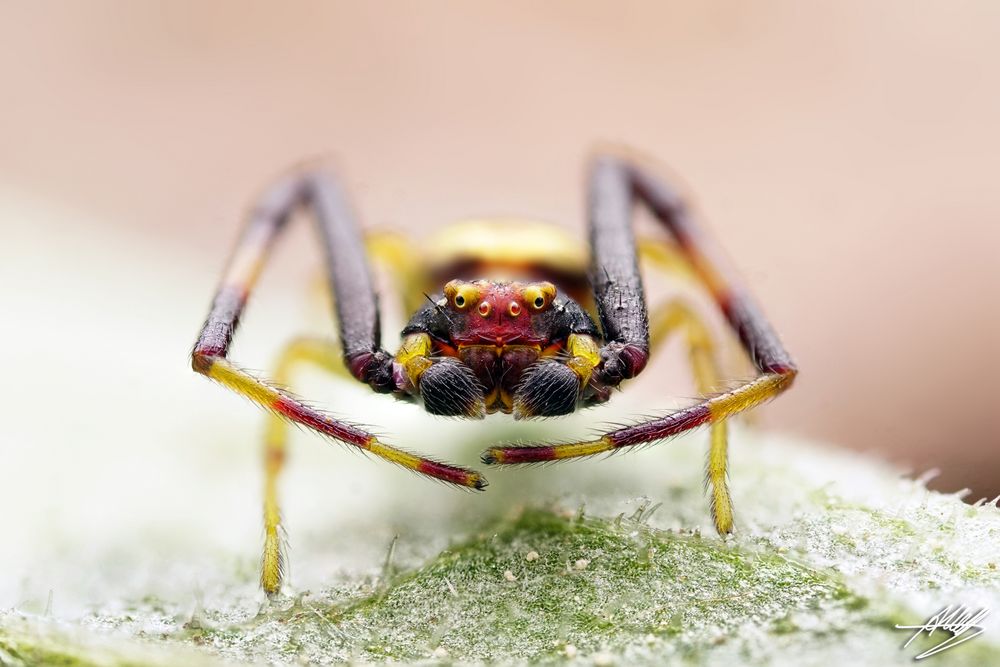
[
  {"x": 484, "y": 308},
  {"x": 461, "y": 294},
  {"x": 540, "y": 295},
  {"x": 514, "y": 309}
]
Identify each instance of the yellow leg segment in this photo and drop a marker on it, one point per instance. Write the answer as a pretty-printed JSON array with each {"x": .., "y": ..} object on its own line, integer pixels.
[
  {"x": 326, "y": 355},
  {"x": 676, "y": 316},
  {"x": 584, "y": 356},
  {"x": 415, "y": 356},
  {"x": 668, "y": 258},
  {"x": 399, "y": 257}
]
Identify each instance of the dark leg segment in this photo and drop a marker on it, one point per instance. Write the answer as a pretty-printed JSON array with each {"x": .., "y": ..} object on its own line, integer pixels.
[
  {"x": 745, "y": 317},
  {"x": 618, "y": 292}
]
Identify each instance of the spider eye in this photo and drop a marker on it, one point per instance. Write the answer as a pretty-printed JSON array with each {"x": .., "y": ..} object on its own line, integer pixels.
[
  {"x": 540, "y": 295},
  {"x": 484, "y": 308},
  {"x": 514, "y": 309},
  {"x": 461, "y": 294}
]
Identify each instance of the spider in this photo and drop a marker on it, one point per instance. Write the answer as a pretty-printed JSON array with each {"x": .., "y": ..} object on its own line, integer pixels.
[{"x": 510, "y": 331}]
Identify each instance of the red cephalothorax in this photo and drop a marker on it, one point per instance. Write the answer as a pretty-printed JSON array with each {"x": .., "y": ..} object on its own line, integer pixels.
[
  {"x": 498, "y": 313},
  {"x": 500, "y": 341}
]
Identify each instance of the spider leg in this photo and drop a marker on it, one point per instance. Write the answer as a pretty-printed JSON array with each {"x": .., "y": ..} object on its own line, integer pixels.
[
  {"x": 614, "y": 187},
  {"x": 395, "y": 253},
  {"x": 668, "y": 259},
  {"x": 325, "y": 354},
  {"x": 675, "y": 316},
  {"x": 357, "y": 314}
]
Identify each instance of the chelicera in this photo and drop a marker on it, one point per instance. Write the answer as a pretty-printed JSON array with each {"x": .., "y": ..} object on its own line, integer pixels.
[{"x": 530, "y": 327}]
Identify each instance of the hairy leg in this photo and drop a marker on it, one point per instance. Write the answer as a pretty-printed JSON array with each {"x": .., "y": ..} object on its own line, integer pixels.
[
  {"x": 324, "y": 354},
  {"x": 676, "y": 316},
  {"x": 357, "y": 316}
]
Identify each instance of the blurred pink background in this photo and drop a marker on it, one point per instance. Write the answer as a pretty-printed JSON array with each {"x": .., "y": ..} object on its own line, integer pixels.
[{"x": 845, "y": 154}]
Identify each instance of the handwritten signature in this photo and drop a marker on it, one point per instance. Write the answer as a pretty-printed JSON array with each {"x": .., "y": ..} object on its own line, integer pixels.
[{"x": 962, "y": 623}]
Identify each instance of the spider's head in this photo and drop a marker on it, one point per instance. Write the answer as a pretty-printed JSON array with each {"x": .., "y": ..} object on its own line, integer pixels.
[{"x": 484, "y": 312}]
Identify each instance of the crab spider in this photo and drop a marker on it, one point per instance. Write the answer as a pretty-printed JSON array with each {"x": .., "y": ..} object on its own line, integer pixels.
[{"x": 510, "y": 329}]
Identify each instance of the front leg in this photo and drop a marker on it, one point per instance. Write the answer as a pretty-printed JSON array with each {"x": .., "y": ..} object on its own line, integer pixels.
[
  {"x": 357, "y": 317},
  {"x": 617, "y": 283},
  {"x": 621, "y": 304}
]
